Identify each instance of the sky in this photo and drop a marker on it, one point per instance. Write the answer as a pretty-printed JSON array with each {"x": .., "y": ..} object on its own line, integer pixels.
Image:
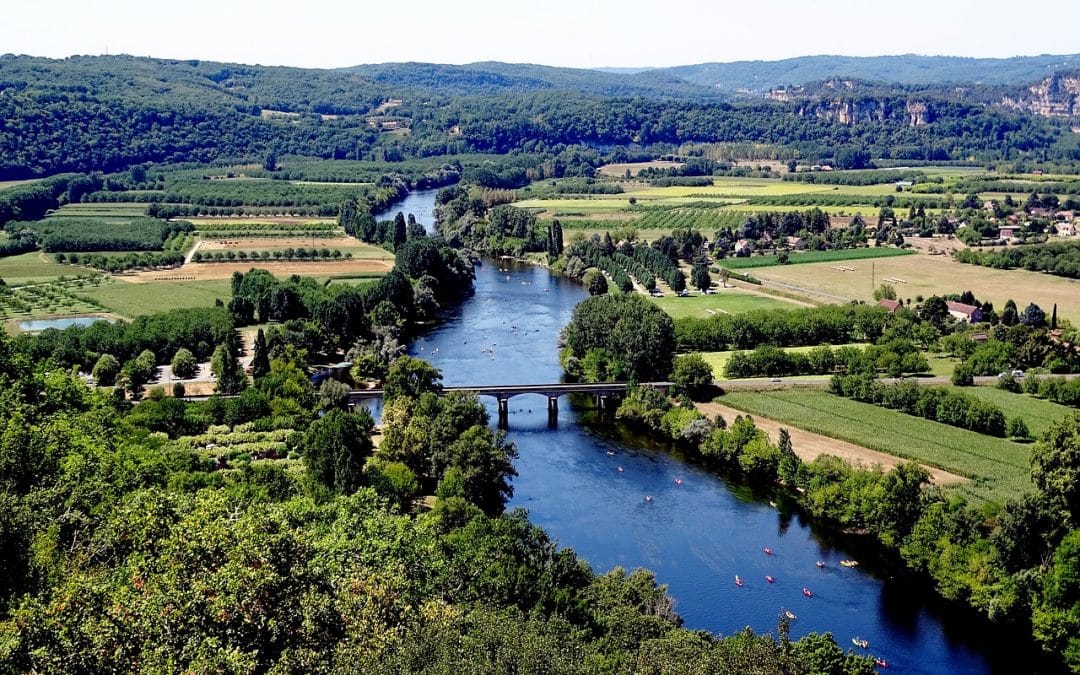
[{"x": 575, "y": 33}]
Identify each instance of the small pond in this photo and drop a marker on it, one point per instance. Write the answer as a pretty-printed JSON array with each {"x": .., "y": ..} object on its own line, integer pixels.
[{"x": 38, "y": 325}]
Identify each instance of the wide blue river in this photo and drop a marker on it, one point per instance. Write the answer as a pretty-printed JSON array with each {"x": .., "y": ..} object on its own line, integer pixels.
[{"x": 585, "y": 483}]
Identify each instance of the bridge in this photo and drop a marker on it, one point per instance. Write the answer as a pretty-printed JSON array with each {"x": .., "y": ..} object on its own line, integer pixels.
[{"x": 600, "y": 391}]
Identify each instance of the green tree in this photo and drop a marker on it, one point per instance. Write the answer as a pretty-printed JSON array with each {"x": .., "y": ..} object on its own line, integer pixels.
[
  {"x": 1055, "y": 463},
  {"x": 595, "y": 282},
  {"x": 228, "y": 375},
  {"x": 400, "y": 230},
  {"x": 184, "y": 365},
  {"x": 335, "y": 448},
  {"x": 700, "y": 277},
  {"x": 1017, "y": 429},
  {"x": 260, "y": 361},
  {"x": 105, "y": 370},
  {"x": 693, "y": 375},
  {"x": 963, "y": 375},
  {"x": 787, "y": 469},
  {"x": 410, "y": 377},
  {"x": 139, "y": 371},
  {"x": 486, "y": 463},
  {"x": 1056, "y": 615}
]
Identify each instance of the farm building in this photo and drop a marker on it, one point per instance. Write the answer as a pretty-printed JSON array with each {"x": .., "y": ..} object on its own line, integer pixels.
[
  {"x": 963, "y": 312},
  {"x": 1067, "y": 229},
  {"x": 1007, "y": 233},
  {"x": 890, "y": 305},
  {"x": 744, "y": 247},
  {"x": 795, "y": 243}
]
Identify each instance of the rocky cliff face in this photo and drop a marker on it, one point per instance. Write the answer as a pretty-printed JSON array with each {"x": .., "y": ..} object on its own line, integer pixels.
[
  {"x": 1056, "y": 96},
  {"x": 856, "y": 111}
]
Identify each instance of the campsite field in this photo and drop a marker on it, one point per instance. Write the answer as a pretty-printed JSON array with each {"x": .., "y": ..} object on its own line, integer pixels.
[
  {"x": 928, "y": 275},
  {"x": 998, "y": 469},
  {"x": 724, "y": 301}
]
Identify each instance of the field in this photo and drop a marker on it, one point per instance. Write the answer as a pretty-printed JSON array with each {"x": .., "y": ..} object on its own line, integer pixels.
[
  {"x": 806, "y": 257},
  {"x": 619, "y": 170},
  {"x": 729, "y": 301},
  {"x": 320, "y": 269},
  {"x": 357, "y": 248},
  {"x": 998, "y": 469},
  {"x": 1037, "y": 413},
  {"x": 34, "y": 267},
  {"x": 928, "y": 275},
  {"x": 104, "y": 210},
  {"x": 719, "y": 359},
  {"x": 132, "y": 300}
]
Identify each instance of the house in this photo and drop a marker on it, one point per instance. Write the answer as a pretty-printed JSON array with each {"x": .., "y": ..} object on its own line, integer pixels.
[
  {"x": 795, "y": 243},
  {"x": 1007, "y": 233},
  {"x": 979, "y": 337},
  {"x": 890, "y": 305},
  {"x": 963, "y": 312},
  {"x": 1067, "y": 229},
  {"x": 744, "y": 247}
]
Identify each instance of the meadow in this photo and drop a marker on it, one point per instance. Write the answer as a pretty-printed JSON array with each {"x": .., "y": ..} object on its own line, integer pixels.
[
  {"x": 998, "y": 469},
  {"x": 729, "y": 301},
  {"x": 134, "y": 299},
  {"x": 34, "y": 267},
  {"x": 928, "y": 275},
  {"x": 806, "y": 257}
]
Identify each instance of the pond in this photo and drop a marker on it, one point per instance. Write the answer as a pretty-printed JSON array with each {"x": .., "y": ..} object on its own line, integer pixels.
[{"x": 38, "y": 325}]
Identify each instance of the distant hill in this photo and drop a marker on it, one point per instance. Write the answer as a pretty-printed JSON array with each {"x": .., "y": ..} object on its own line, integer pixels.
[
  {"x": 492, "y": 77},
  {"x": 910, "y": 69}
]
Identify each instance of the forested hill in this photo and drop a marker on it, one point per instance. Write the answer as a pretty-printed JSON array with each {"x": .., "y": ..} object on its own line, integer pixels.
[
  {"x": 108, "y": 113},
  {"x": 494, "y": 77},
  {"x": 911, "y": 69}
]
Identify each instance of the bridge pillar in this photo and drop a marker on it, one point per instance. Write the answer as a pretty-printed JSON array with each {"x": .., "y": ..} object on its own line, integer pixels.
[
  {"x": 504, "y": 412},
  {"x": 553, "y": 411},
  {"x": 602, "y": 402}
]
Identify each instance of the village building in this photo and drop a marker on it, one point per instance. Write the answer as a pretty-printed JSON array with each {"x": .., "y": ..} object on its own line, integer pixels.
[
  {"x": 963, "y": 312},
  {"x": 890, "y": 305}
]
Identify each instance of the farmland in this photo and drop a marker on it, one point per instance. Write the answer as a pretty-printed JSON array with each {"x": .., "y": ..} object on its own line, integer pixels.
[
  {"x": 132, "y": 300},
  {"x": 719, "y": 359},
  {"x": 806, "y": 257},
  {"x": 998, "y": 469},
  {"x": 1037, "y": 413},
  {"x": 927, "y": 275}
]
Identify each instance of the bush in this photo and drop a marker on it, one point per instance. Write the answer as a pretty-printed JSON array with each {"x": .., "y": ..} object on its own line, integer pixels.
[{"x": 963, "y": 376}]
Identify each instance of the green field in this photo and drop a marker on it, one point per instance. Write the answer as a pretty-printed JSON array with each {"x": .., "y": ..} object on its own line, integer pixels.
[
  {"x": 728, "y": 301},
  {"x": 1036, "y": 412},
  {"x": 102, "y": 210},
  {"x": 132, "y": 300},
  {"x": 998, "y": 469},
  {"x": 34, "y": 267},
  {"x": 719, "y": 359},
  {"x": 803, "y": 257}
]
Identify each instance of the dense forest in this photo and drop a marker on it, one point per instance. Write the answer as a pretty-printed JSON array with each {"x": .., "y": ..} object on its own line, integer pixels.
[{"x": 109, "y": 113}]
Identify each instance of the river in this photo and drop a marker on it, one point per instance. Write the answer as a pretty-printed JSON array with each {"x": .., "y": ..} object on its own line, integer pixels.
[{"x": 585, "y": 483}]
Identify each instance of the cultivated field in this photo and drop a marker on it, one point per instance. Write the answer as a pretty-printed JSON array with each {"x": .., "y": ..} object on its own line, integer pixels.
[
  {"x": 929, "y": 275},
  {"x": 208, "y": 271},
  {"x": 809, "y": 445},
  {"x": 807, "y": 257},
  {"x": 132, "y": 300},
  {"x": 998, "y": 469},
  {"x": 34, "y": 267},
  {"x": 619, "y": 170},
  {"x": 342, "y": 243},
  {"x": 1037, "y": 413}
]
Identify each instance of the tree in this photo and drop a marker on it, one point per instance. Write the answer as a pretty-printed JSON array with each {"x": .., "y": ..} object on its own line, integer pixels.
[
  {"x": 934, "y": 310},
  {"x": 411, "y": 377},
  {"x": 260, "y": 360},
  {"x": 963, "y": 375},
  {"x": 1033, "y": 316},
  {"x": 139, "y": 371},
  {"x": 1017, "y": 429},
  {"x": 335, "y": 448},
  {"x": 595, "y": 282},
  {"x": 1009, "y": 315},
  {"x": 700, "y": 278},
  {"x": 1053, "y": 318},
  {"x": 885, "y": 292},
  {"x": 787, "y": 470},
  {"x": 105, "y": 370},
  {"x": 1055, "y": 463},
  {"x": 1056, "y": 616},
  {"x": 400, "y": 230},
  {"x": 184, "y": 365},
  {"x": 485, "y": 461},
  {"x": 693, "y": 374},
  {"x": 228, "y": 375}
]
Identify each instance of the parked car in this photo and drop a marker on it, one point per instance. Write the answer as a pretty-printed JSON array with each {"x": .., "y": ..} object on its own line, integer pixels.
[{"x": 1017, "y": 373}]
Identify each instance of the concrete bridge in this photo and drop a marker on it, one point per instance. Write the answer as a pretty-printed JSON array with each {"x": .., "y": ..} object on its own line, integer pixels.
[{"x": 601, "y": 392}]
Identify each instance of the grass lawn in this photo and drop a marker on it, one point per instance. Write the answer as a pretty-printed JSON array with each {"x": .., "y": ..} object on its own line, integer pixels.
[
  {"x": 719, "y": 359},
  {"x": 941, "y": 365},
  {"x": 998, "y": 469},
  {"x": 132, "y": 300},
  {"x": 1039, "y": 414},
  {"x": 804, "y": 257},
  {"x": 34, "y": 267},
  {"x": 730, "y": 301}
]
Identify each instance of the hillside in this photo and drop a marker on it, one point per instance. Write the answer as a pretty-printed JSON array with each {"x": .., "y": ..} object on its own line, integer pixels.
[{"x": 760, "y": 76}]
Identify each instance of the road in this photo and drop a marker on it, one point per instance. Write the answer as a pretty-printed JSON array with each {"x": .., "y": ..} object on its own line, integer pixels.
[{"x": 763, "y": 384}]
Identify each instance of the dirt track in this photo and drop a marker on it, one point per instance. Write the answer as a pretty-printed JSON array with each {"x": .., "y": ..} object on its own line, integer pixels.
[{"x": 808, "y": 445}]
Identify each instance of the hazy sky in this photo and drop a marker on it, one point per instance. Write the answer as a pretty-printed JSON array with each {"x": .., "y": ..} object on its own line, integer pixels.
[{"x": 579, "y": 33}]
